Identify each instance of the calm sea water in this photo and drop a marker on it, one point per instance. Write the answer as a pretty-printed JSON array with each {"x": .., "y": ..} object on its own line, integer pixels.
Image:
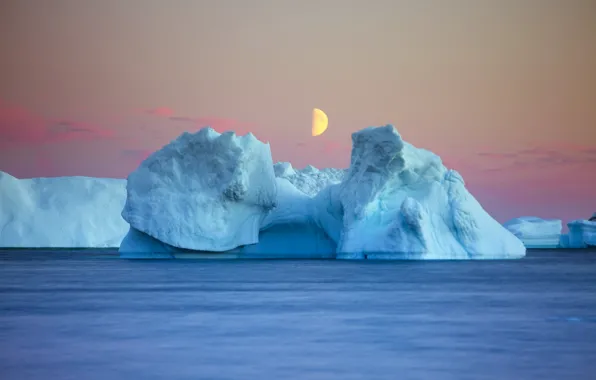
[{"x": 85, "y": 316}]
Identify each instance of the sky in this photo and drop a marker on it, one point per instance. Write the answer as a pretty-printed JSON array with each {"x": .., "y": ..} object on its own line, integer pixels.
[{"x": 503, "y": 90}]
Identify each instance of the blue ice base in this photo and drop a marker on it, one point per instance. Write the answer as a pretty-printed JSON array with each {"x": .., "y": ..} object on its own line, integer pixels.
[{"x": 287, "y": 241}]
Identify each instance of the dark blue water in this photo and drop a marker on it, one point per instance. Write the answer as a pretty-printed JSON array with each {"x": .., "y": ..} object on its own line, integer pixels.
[{"x": 82, "y": 316}]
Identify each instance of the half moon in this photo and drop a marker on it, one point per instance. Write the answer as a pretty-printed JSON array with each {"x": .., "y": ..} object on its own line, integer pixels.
[{"x": 319, "y": 122}]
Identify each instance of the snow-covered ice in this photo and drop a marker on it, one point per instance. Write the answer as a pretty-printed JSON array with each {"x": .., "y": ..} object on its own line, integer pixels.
[
  {"x": 535, "y": 232},
  {"x": 309, "y": 180},
  {"x": 203, "y": 191},
  {"x": 211, "y": 192},
  {"x": 582, "y": 233},
  {"x": 61, "y": 212}
]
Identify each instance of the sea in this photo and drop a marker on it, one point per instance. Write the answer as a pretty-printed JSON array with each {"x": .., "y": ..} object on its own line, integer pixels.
[{"x": 90, "y": 315}]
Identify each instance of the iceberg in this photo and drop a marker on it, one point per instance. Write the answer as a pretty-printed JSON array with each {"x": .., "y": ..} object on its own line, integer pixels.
[
  {"x": 288, "y": 231},
  {"x": 61, "y": 212},
  {"x": 204, "y": 191},
  {"x": 221, "y": 196},
  {"x": 582, "y": 233},
  {"x": 401, "y": 202},
  {"x": 535, "y": 232}
]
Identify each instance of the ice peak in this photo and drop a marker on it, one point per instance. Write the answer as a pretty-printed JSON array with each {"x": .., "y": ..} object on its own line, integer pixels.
[
  {"x": 376, "y": 150},
  {"x": 310, "y": 169},
  {"x": 283, "y": 169}
]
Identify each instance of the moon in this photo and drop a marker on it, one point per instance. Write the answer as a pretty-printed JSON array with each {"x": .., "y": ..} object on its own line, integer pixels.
[{"x": 319, "y": 122}]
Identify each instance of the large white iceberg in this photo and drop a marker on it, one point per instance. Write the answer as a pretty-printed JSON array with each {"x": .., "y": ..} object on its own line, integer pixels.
[
  {"x": 394, "y": 202},
  {"x": 204, "y": 191},
  {"x": 535, "y": 232},
  {"x": 398, "y": 201},
  {"x": 61, "y": 212},
  {"x": 582, "y": 233}
]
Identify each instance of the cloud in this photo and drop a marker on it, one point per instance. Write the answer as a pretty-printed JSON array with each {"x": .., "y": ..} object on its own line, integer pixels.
[
  {"x": 34, "y": 145},
  {"x": 20, "y": 125},
  {"x": 159, "y": 111},
  {"x": 546, "y": 156},
  {"x": 496, "y": 155},
  {"x": 492, "y": 170},
  {"x": 217, "y": 123},
  {"x": 221, "y": 125},
  {"x": 334, "y": 147},
  {"x": 542, "y": 156},
  {"x": 74, "y": 130},
  {"x": 184, "y": 119}
]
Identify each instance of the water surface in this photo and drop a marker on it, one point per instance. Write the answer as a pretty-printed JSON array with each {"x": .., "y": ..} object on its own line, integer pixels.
[{"x": 73, "y": 315}]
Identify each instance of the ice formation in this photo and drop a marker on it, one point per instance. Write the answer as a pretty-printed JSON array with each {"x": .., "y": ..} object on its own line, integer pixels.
[
  {"x": 564, "y": 241},
  {"x": 309, "y": 180},
  {"x": 287, "y": 231},
  {"x": 204, "y": 191},
  {"x": 536, "y": 232},
  {"x": 398, "y": 201},
  {"x": 61, "y": 212},
  {"x": 582, "y": 233},
  {"x": 209, "y": 192}
]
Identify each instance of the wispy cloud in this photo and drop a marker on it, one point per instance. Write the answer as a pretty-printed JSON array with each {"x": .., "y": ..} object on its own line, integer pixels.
[
  {"x": 183, "y": 119},
  {"x": 75, "y": 130},
  {"x": 333, "y": 147},
  {"x": 546, "y": 155},
  {"x": 218, "y": 123},
  {"x": 20, "y": 125},
  {"x": 159, "y": 111},
  {"x": 497, "y": 155}
]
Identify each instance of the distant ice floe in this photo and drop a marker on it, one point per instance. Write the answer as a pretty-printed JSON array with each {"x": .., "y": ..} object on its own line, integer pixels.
[
  {"x": 582, "y": 233},
  {"x": 61, "y": 212},
  {"x": 535, "y": 232}
]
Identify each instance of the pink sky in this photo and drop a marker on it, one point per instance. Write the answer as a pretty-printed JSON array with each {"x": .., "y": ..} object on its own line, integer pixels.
[{"x": 504, "y": 91}]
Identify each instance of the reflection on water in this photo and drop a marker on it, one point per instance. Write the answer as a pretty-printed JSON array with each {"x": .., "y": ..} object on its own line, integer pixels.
[{"x": 82, "y": 316}]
